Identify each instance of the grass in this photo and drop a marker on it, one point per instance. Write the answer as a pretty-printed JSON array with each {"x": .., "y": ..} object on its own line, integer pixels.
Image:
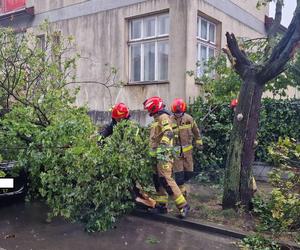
[{"x": 152, "y": 240}]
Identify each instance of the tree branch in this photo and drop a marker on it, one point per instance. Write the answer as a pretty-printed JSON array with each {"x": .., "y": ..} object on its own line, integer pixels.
[
  {"x": 277, "y": 20},
  {"x": 284, "y": 50},
  {"x": 240, "y": 61}
]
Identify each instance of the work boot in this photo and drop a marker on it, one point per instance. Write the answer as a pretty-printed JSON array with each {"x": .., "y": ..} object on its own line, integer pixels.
[
  {"x": 184, "y": 211},
  {"x": 159, "y": 209}
]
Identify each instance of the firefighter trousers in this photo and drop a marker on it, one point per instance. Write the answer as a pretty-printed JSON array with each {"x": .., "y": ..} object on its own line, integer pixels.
[
  {"x": 183, "y": 169},
  {"x": 165, "y": 185}
]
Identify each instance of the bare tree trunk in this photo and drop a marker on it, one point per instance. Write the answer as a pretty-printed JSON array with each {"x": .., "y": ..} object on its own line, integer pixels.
[
  {"x": 248, "y": 153},
  {"x": 234, "y": 157},
  {"x": 238, "y": 174}
]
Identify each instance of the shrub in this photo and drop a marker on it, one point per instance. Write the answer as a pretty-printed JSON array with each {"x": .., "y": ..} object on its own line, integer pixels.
[
  {"x": 278, "y": 118},
  {"x": 80, "y": 181},
  {"x": 258, "y": 242},
  {"x": 55, "y": 141},
  {"x": 280, "y": 212},
  {"x": 215, "y": 123}
]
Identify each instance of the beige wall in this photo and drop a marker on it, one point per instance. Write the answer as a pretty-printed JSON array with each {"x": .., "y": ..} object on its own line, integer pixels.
[
  {"x": 291, "y": 93},
  {"x": 41, "y": 6},
  {"x": 250, "y": 6}
]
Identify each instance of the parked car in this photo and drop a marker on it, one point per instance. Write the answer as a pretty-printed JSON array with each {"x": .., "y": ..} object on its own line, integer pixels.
[{"x": 20, "y": 182}]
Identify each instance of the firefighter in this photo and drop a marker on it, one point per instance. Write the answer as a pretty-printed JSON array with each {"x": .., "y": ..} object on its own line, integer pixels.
[
  {"x": 186, "y": 134},
  {"x": 161, "y": 143},
  {"x": 253, "y": 186},
  {"x": 120, "y": 112}
]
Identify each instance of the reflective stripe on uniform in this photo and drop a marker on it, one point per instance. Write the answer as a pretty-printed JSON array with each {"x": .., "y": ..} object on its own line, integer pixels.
[
  {"x": 165, "y": 140},
  {"x": 161, "y": 198},
  {"x": 180, "y": 200},
  {"x": 184, "y": 149},
  {"x": 154, "y": 124},
  {"x": 165, "y": 166},
  {"x": 200, "y": 142},
  {"x": 166, "y": 127},
  {"x": 187, "y": 148},
  {"x": 164, "y": 122},
  {"x": 186, "y": 126}
]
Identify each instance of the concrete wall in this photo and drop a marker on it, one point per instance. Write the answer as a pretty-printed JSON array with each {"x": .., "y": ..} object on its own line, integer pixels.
[
  {"x": 41, "y": 6},
  {"x": 250, "y": 6}
]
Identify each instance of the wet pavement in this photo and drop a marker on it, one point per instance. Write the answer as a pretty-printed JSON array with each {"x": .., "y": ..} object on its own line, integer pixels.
[{"x": 24, "y": 226}]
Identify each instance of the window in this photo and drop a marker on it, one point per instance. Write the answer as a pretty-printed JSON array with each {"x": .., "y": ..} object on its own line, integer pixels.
[
  {"x": 56, "y": 47},
  {"x": 149, "y": 48},
  {"x": 206, "y": 36},
  {"x": 41, "y": 42}
]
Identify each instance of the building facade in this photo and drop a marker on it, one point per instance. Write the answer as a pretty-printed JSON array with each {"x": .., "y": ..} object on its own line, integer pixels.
[{"x": 151, "y": 43}]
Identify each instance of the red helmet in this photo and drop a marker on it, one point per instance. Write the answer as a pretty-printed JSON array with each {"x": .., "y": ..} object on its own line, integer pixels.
[
  {"x": 153, "y": 104},
  {"x": 178, "y": 106},
  {"x": 233, "y": 103},
  {"x": 120, "y": 111}
]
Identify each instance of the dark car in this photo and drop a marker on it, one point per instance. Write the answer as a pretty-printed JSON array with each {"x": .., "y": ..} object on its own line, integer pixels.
[{"x": 20, "y": 181}]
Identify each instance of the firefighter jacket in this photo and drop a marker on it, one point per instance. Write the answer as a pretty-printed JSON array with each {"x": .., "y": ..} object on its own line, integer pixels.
[
  {"x": 186, "y": 132},
  {"x": 109, "y": 129},
  {"x": 161, "y": 133}
]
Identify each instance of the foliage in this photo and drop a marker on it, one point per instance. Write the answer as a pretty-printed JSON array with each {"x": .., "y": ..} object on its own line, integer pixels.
[
  {"x": 215, "y": 122},
  {"x": 258, "y": 242},
  {"x": 2, "y": 174},
  {"x": 84, "y": 183},
  {"x": 280, "y": 212},
  {"x": 152, "y": 240},
  {"x": 286, "y": 153},
  {"x": 77, "y": 179},
  {"x": 278, "y": 118},
  {"x": 219, "y": 81},
  {"x": 55, "y": 141}
]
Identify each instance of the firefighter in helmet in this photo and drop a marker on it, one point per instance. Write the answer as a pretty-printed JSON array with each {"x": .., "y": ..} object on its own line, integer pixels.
[
  {"x": 186, "y": 134},
  {"x": 161, "y": 143},
  {"x": 118, "y": 113}
]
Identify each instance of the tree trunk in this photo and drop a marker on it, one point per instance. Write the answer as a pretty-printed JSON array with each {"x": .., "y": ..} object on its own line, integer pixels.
[
  {"x": 255, "y": 75},
  {"x": 248, "y": 153},
  {"x": 237, "y": 151}
]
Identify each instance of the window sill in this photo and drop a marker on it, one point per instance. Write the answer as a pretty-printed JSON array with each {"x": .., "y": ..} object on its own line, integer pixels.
[
  {"x": 146, "y": 83},
  {"x": 198, "y": 82}
]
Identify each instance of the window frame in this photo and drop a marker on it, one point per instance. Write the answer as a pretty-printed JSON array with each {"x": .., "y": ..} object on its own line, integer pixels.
[
  {"x": 156, "y": 39},
  {"x": 205, "y": 42},
  {"x": 199, "y": 19}
]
